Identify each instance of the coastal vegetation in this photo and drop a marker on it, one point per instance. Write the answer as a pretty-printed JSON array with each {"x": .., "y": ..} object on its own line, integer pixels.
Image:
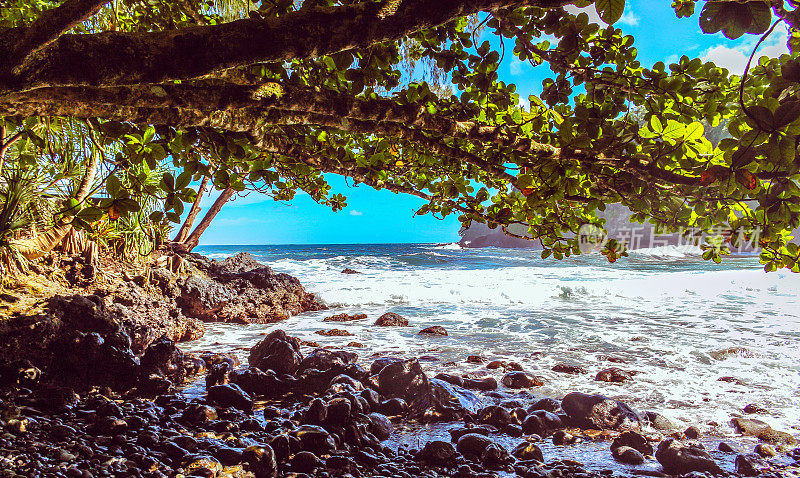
[
  {"x": 153, "y": 101},
  {"x": 118, "y": 117}
]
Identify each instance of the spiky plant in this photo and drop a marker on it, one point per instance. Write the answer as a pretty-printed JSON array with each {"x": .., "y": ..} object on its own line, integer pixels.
[{"x": 18, "y": 205}]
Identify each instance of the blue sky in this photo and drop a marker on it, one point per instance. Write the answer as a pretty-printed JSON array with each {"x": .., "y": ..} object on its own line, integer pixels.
[{"x": 384, "y": 217}]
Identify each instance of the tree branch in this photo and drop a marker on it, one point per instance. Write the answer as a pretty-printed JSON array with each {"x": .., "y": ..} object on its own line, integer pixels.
[
  {"x": 50, "y": 25},
  {"x": 119, "y": 58}
]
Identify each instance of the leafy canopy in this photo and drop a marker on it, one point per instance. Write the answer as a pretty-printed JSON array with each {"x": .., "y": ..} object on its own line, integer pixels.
[{"x": 402, "y": 95}]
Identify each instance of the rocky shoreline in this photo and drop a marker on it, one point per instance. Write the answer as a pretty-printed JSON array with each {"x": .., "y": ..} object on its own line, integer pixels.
[{"x": 96, "y": 386}]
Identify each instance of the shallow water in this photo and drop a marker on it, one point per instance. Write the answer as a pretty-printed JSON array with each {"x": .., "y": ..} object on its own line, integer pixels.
[{"x": 661, "y": 311}]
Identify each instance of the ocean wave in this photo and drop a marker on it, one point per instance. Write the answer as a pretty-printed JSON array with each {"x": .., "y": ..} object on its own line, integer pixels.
[
  {"x": 449, "y": 247},
  {"x": 668, "y": 252}
]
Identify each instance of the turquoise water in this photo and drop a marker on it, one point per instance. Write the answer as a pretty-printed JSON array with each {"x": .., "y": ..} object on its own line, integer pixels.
[{"x": 662, "y": 312}]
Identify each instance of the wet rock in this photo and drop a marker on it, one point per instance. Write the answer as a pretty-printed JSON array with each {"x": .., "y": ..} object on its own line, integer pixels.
[
  {"x": 485, "y": 384},
  {"x": 750, "y": 465},
  {"x": 725, "y": 448},
  {"x": 473, "y": 443},
  {"x": 528, "y": 451},
  {"x": 347, "y": 270},
  {"x": 521, "y": 380},
  {"x": 458, "y": 432},
  {"x": 475, "y": 359},
  {"x": 733, "y": 380},
  {"x": 241, "y": 290},
  {"x": 598, "y": 411},
  {"x": 278, "y": 352},
  {"x": 380, "y": 426},
  {"x": 305, "y": 462},
  {"x": 406, "y": 380},
  {"x": 164, "y": 358},
  {"x": 723, "y": 354},
  {"x": 202, "y": 465},
  {"x": 496, "y": 416},
  {"x": 776, "y": 437},
  {"x": 633, "y": 440},
  {"x": 548, "y": 404},
  {"x": 393, "y": 407},
  {"x": 378, "y": 364},
  {"x": 344, "y": 317},
  {"x": 334, "y": 361},
  {"x": 256, "y": 382},
  {"x": 677, "y": 458},
  {"x": 356, "y": 345},
  {"x": 342, "y": 464},
  {"x": 692, "y": 433},
  {"x": 451, "y": 379},
  {"x": 344, "y": 382},
  {"x": 390, "y": 319},
  {"x": 627, "y": 455},
  {"x": 20, "y": 373},
  {"x": 435, "y": 330},
  {"x": 568, "y": 368},
  {"x": 197, "y": 414},
  {"x": 750, "y": 426},
  {"x": 657, "y": 421},
  {"x": 765, "y": 450},
  {"x": 453, "y": 396},
  {"x": 755, "y": 408},
  {"x": 495, "y": 455},
  {"x": 542, "y": 423},
  {"x": 261, "y": 460},
  {"x": 438, "y": 453},
  {"x": 613, "y": 375},
  {"x": 231, "y": 395},
  {"x": 339, "y": 411},
  {"x": 314, "y": 439},
  {"x": 334, "y": 333},
  {"x": 564, "y": 438}
]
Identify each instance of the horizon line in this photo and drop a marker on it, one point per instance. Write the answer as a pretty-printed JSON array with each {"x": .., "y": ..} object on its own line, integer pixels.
[{"x": 329, "y": 244}]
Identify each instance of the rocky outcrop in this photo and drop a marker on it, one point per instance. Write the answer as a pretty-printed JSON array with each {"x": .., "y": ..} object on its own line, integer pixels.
[
  {"x": 241, "y": 290},
  {"x": 597, "y": 411},
  {"x": 82, "y": 341}
]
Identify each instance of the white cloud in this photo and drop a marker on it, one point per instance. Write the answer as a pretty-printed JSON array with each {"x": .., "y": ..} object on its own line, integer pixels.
[
  {"x": 516, "y": 67},
  {"x": 735, "y": 59},
  {"x": 628, "y": 17},
  {"x": 354, "y": 212}
]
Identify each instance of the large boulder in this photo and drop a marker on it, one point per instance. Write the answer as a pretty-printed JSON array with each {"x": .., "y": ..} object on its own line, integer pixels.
[
  {"x": 453, "y": 396},
  {"x": 240, "y": 289},
  {"x": 598, "y": 411},
  {"x": 390, "y": 319},
  {"x": 325, "y": 359},
  {"x": 278, "y": 352},
  {"x": 678, "y": 458},
  {"x": 521, "y": 380},
  {"x": 405, "y": 379},
  {"x": 164, "y": 358}
]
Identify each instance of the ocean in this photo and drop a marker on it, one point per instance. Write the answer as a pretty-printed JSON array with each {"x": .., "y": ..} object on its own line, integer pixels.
[{"x": 664, "y": 313}]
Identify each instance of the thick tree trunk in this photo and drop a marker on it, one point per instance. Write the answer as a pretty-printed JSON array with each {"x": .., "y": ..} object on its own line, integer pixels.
[
  {"x": 125, "y": 58},
  {"x": 194, "y": 238},
  {"x": 183, "y": 233},
  {"x": 45, "y": 242}
]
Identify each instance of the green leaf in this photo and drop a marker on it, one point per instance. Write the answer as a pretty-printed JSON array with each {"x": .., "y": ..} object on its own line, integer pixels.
[
  {"x": 148, "y": 135},
  {"x": 113, "y": 186},
  {"x": 610, "y": 10},
  {"x": 694, "y": 131}
]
